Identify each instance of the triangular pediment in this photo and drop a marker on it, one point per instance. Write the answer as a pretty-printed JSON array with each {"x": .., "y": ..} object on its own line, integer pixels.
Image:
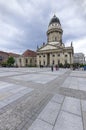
[{"x": 48, "y": 47}]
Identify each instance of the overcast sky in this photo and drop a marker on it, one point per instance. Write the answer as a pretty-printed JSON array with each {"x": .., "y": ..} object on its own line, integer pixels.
[{"x": 23, "y": 23}]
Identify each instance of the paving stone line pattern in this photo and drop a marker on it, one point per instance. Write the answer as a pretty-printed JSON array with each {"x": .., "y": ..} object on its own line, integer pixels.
[
  {"x": 39, "y": 99},
  {"x": 10, "y": 93},
  {"x": 69, "y": 118}
]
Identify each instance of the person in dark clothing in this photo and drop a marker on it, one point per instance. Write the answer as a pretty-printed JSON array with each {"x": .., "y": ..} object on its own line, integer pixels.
[
  {"x": 56, "y": 67},
  {"x": 52, "y": 67}
]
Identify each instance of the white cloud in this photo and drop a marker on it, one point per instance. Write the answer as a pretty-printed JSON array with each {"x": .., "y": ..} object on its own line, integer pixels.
[{"x": 78, "y": 44}]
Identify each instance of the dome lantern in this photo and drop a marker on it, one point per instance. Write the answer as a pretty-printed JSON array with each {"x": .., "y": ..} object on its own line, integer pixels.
[
  {"x": 54, "y": 20},
  {"x": 54, "y": 33}
]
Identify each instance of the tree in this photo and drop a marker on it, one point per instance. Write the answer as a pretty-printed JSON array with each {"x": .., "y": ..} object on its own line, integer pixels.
[{"x": 10, "y": 61}]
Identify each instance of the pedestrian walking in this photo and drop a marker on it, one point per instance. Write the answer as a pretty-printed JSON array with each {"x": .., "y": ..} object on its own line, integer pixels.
[{"x": 52, "y": 68}]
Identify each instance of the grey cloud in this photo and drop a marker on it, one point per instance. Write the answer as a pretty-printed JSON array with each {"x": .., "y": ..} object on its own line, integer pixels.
[{"x": 31, "y": 18}]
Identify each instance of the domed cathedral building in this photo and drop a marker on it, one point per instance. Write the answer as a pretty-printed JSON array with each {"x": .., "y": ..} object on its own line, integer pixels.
[{"x": 54, "y": 51}]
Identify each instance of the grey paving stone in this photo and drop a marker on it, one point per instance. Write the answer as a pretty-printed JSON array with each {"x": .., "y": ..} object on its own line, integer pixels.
[
  {"x": 83, "y": 102},
  {"x": 67, "y": 121},
  {"x": 84, "y": 119},
  {"x": 57, "y": 98},
  {"x": 79, "y": 74},
  {"x": 17, "y": 89},
  {"x": 40, "y": 125},
  {"x": 72, "y": 105},
  {"x": 8, "y": 74},
  {"x": 37, "y": 78},
  {"x": 73, "y": 83},
  {"x": 50, "y": 112},
  {"x": 66, "y": 83},
  {"x": 4, "y": 85},
  {"x": 11, "y": 92},
  {"x": 2, "y": 104},
  {"x": 25, "y": 91},
  {"x": 82, "y": 87}
]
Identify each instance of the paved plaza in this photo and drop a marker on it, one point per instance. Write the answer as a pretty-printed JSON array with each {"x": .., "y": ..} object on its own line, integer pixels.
[{"x": 39, "y": 99}]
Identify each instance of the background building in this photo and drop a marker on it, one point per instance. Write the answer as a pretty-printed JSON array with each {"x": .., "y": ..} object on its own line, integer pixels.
[
  {"x": 28, "y": 58},
  {"x": 79, "y": 58},
  {"x": 54, "y": 51},
  {"x": 5, "y": 55}
]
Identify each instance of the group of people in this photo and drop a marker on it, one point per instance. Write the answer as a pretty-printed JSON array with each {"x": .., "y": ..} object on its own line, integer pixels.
[{"x": 56, "y": 67}]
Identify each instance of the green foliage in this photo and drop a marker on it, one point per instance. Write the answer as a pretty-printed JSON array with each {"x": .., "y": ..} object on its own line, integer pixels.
[
  {"x": 10, "y": 61},
  {"x": 60, "y": 65},
  {"x": 31, "y": 66},
  {"x": 64, "y": 66}
]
